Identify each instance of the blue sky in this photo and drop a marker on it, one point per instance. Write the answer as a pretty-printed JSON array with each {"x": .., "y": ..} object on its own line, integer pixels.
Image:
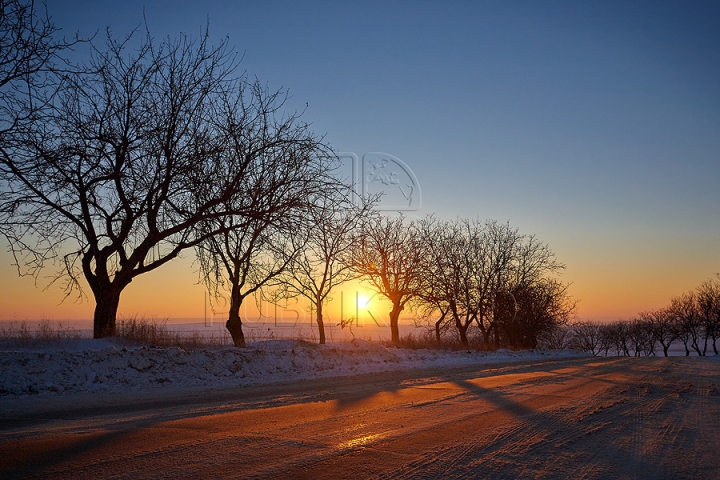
[{"x": 595, "y": 125}]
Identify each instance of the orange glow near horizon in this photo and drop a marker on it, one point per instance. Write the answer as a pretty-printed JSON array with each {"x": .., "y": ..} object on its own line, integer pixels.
[
  {"x": 604, "y": 290},
  {"x": 172, "y": 293}
]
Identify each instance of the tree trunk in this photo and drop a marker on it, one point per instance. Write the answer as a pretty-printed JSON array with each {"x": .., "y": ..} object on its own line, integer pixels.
[
  {"x": 394, "y": 328},
  {"x": 462, "y": 330},
  {"x": 463, "y": 335},
  {"x": 319, "y": 320},
  {"x": 106, "y": 306},
  {"x": 486, "y": 338},
  {"x": 437, "y": 327},
  {"x": 234, "y": 323},
  {"x": 484, "y": 331}
]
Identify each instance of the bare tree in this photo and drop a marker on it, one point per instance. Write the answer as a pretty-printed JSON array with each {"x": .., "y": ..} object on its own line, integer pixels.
[
  {"x": 30, "y": 58},
  {"x": 641, "y": 336},
  {"x": 285, "y": 167},
  {"x": 467, "y": 270},
  {"x": 686, "y": 320},
  {"x": 441, "y": 281},
  {"x": 558, "y": 338},
  {"x": 662, "y": 327},
  {"x": 495, "y": 247},
  {"x": 432, "y": 315},
  {"x": 692, "y": 318},
  {"x": 689, "y": 313},
  {"x": 390, "y": 254},
  {"x": 488, "y": 274},
  {"x": 615, "y": 335},
  {"x": 708, "y": 303},
  {"x": 447, "y": 285},
  {"x": 136, "y": 151},
  {"x": 531, "y": 309},
  {"x": 609, "y": 338},
  {"x": 325, "y": 260},
  {"x": 245, "y": 257},
  {"x": 587, "y": 336},
  {"x": 533, "y": 299}
]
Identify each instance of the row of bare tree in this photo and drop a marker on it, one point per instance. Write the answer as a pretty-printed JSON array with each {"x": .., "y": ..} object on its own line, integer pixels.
[
  {"x": 464, "y": 274},
  {"x": 112, "y": 167},
  {"x": 692, "y": 319},
  {"x": 456, "y": 275},
  {"x": 115, "y": 166}
]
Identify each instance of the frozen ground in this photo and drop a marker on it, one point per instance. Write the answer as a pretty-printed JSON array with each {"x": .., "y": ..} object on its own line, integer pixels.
[
  {"x": 78, "y": 366},
  {"x": 580, "y": 418}
]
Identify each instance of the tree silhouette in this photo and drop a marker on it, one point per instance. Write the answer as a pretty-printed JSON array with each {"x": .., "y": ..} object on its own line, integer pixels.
[
  {"x": 325, "y": 261},
  {"x": 30, "y": 58},
  {"x": 390, "y": 254},
  {"x": 285, "y": 167},
  {"x": 487, "y": 274},
  {"x": 448, "y": 281},
  {"x": 113, "y": 178},
  {"x": 708, "y": 304}
]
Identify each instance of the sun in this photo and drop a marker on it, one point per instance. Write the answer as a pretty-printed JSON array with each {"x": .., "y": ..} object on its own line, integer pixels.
[{"x": 362, "y": 301}]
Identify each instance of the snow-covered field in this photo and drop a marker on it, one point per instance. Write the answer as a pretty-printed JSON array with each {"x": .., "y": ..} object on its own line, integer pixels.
[{"x": 87, "y": 366}]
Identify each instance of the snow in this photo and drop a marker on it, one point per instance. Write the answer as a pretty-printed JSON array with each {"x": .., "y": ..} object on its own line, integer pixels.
[{"x": 88, "y": 366}]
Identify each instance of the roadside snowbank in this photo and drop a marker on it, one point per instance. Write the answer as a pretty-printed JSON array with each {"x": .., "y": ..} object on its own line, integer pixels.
[{"x": 108, "y": 366}]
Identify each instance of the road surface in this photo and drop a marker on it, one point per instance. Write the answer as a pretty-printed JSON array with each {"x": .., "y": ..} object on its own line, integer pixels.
[{"x": 581, "y": 418}]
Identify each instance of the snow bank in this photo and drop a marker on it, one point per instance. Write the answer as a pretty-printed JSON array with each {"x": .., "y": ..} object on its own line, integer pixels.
[{"x": 107, "y": 366}]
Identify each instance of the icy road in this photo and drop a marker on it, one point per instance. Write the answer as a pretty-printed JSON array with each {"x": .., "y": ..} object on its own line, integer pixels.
[{"x": 567, "y": 418}]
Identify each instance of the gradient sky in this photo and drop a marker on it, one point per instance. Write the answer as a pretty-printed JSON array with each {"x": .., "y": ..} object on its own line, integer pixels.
[{"x": 594, "y": 125}]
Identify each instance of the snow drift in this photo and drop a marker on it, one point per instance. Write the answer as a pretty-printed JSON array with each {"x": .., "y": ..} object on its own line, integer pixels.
[{"x": 108, "y": 366}]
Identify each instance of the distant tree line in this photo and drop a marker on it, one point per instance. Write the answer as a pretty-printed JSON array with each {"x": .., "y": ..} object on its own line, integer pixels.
[
  {"x": 692, "y": 319},
  {"x": 113, "y": 167}
]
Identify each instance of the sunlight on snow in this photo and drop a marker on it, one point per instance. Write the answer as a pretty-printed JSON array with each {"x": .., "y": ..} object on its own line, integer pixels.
[{"x": 358, "y": 442}]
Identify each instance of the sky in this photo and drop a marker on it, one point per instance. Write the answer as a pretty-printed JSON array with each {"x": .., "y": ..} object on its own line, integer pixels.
[{"x": 593, "y": 125}]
